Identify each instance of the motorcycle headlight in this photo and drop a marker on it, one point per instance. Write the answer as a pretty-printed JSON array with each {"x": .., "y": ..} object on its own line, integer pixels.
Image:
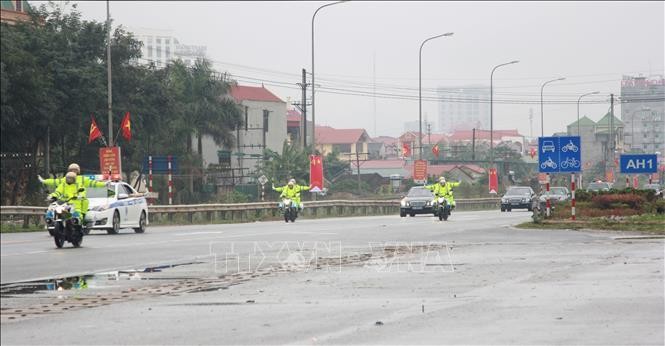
[{"x": 428, "y": 203}]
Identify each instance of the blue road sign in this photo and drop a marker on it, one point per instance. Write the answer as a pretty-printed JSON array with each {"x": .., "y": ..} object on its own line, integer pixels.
[
  {"x": 559, "y": 154},
  {"x": 160, "y": 165},
  {"x": 639, "y": 163}
]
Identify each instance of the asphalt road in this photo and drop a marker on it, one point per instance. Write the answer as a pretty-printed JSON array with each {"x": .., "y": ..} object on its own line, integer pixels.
[{"x": 471, "y": 280}]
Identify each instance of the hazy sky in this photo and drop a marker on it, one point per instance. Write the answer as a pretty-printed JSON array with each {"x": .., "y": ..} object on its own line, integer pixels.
[{"x": 590, "y": 43}]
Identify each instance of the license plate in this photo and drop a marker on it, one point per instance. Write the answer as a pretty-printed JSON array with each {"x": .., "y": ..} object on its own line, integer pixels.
[
  {"x": 514, "y": 203},
  {"x": 417, "y": 208}
]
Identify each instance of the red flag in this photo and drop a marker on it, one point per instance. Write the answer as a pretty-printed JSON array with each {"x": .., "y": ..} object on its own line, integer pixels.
[
  {"x": 493, "y": 181},
  {"x": 316, "y": 172},
  {"x": 94, "y": 131},
  {"x": 406, "y": 149},
  {"x": 126, "y": 127},
  {"x": 532, "y": 152},
  {"x": 435, "y": 150}
]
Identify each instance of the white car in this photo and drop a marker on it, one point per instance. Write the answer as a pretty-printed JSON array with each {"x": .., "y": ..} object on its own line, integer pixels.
[{"x": 116, "y": 207}]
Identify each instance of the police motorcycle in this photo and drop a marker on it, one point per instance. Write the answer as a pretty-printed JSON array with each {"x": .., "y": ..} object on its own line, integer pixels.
[
  {"x": 289, "y": 209},
  {"x": 442, "y": 208},
  {"x": 64, "y": 223}
]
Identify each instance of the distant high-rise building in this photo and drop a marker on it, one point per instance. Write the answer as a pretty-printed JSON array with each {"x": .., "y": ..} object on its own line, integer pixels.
[
  {"x": 464, "y": 108},
  {"x": 643, "y": 113},
  {"x": 162, "y": 47}
]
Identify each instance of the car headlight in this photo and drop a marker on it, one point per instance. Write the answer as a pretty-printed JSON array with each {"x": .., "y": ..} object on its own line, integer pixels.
[
  {"x": 99, "y": 208},
  {"x": 504, "y": 200},
  {"x": 428, "y": 203}
]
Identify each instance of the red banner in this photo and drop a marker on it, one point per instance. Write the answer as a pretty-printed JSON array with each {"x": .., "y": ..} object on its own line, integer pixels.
[
  {"x": 420, "y": 170},
  {"x": 494, "y": 181},
  {"x": 316, "y": 172},
  {"x": 110, "y": 162},
  {"x": 636, "y": 182}
]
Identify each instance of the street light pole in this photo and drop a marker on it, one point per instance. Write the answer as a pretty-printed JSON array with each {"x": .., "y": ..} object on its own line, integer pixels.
[
  {"x": 542, "y": 126},
  {"x": 492, "y": 109},
  {"x": 108, "y": 73},
  {"x": 313, "y": 82},
  {"x": 420, "y": 93},
  {"x": 578, "y": 109}
]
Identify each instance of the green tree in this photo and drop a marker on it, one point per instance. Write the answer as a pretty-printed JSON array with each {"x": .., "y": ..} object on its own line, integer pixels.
[{"x": 291, "y": 163}]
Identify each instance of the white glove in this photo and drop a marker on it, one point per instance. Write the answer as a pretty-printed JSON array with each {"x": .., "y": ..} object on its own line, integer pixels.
[
  {"x": 108, "y": 184},
  {"x": 273, "y": 186},
  {"x": 41, "y": 180}
]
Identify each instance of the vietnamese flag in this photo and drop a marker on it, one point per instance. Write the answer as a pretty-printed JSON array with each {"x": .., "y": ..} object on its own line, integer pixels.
[
  {"x": 406, "y": 149},
  {"x": 493, "y": 181},
  {"x": 126, "y": 127},
  {"x": 94, "y": 131},
  {"x": 316, "y": 173},
  {"x": 435, "y": 150}
]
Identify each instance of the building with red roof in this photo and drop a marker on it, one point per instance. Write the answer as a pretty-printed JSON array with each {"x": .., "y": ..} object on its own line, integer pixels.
[{"x": 347, "y": 142}]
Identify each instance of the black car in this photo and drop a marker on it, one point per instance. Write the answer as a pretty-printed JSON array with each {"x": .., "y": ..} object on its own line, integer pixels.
[
  {"x": 417, "y": 201},
  {"x": 517, "y": 197}
]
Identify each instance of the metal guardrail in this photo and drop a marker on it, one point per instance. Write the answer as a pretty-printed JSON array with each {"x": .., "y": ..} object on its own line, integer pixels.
[{"x": 247, "y": 211}]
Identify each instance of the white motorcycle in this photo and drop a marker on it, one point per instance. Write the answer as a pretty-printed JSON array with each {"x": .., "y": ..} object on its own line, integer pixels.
[
  {"x": 442, "y": 208},
  {"x": 62, "y": 225},
  {"x": 289, "y": 210}
]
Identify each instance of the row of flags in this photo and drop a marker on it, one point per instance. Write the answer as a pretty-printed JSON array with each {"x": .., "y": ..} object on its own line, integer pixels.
[
  {"x": 125, "y": 129},
  {"x": 406, "y": 149}
]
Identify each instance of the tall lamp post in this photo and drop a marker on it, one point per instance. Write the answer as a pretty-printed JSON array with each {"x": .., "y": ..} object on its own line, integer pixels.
[
  {"x": 578, "y": 108},
  {"x": 313, "y": 82},
  {"x": 420, "y": 93},
  {"x": 542, "y": 118},
  {"x": 492, "y": 109}
]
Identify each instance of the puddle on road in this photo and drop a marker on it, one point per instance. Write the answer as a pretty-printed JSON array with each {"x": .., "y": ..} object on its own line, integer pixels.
[{"x": 84, "y": 281}]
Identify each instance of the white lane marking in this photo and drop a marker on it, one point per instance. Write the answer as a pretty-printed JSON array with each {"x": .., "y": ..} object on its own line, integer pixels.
[
  {"x": 23, "y": 253},
  {"x": 196, "y": 233}
]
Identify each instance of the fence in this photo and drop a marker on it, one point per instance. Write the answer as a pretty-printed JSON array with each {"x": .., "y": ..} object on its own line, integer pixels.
[{"x": 251, "y": 211}]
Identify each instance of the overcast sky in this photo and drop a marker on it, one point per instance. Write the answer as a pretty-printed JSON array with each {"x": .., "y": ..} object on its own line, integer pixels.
[{"x": 358, "y": 44}]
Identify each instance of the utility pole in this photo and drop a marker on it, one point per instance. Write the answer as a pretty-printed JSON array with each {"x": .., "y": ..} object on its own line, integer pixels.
[
  {"x": 303, "y": 109},
  {"x": 108, "y": 72},
  {"x": 473, "y": 146}
]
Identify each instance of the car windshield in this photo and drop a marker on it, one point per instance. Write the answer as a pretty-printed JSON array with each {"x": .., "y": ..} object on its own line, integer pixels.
[
  {"x": 99, "y": 192},
  {"x": 419, "y": 192},
  {"x": 519, "y": 191},
  {"x": 597, "y": 186}
]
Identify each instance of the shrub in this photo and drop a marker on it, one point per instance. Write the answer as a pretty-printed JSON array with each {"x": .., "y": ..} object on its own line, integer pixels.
[{"x": 605, "y": 201}]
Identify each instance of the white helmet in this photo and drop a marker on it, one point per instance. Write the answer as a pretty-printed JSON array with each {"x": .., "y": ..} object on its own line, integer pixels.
[
  {"x": 70, "y": 177},
  {"x": 292, "y": 182},
  {"x": 442, "y": 180},
  {"x": 74, "y": 168}
]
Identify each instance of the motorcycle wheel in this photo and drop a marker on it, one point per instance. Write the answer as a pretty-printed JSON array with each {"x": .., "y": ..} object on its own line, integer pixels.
[
  {"x": 58, "y": 235},
  {"x": 286, "y": 216},
  {"x": 293, "y": 216},
  {"x": 77, "y": 240},
  {"x": 445, "y": 215},
  {"x": 440, "y": 214}
]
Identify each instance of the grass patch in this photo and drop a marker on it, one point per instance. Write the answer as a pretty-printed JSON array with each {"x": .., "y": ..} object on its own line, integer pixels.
[
  {"x": 14, "y": 228},
  {"x": 646, "y": 223}
]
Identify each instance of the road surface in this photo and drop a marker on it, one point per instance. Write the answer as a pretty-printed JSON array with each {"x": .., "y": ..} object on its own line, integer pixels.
[{"x": 367, "y": 280}]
